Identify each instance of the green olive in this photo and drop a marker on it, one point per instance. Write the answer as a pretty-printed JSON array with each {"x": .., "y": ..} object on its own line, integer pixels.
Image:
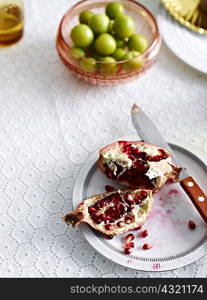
[
  {"x": 88, "y": 64},
  {"x": 114, "y": 10},
  {"x": 135, "y": 62},
  {"x": 119, "y": 53},
  {"x": 99, "y": 23},
  {"x": 109, "y": 67},
  {"x": 82, "y": 35},
  {"x": 85, "y": 16},
  {"x": 77, "y": 52},
  {"x": 105, "y": 44},
  {"x": 138, "y": 42}
]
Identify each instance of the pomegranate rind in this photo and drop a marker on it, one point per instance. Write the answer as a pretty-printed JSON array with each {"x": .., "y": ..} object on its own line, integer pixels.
[
  {"x": 171, "y": 175},
  {"x": 81, "y": 215}
]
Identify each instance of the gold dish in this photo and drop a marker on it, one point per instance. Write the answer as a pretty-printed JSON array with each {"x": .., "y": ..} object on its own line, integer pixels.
[{"x": 190, "y": 13}]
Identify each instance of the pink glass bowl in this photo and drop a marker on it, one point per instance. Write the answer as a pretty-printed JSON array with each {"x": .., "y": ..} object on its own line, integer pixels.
[{"x": 146, "y": 24}]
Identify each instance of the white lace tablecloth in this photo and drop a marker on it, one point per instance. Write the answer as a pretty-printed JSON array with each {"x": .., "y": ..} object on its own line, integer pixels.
[{"x": 50, "y": 122}]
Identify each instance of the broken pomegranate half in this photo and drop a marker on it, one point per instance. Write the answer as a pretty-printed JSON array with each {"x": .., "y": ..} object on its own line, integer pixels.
[
  {"x": 113, "y": 213},
  {"x": 138, "y": 165}
]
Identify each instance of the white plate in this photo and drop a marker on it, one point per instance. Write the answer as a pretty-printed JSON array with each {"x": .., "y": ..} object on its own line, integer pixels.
[
  {"x": 174, "y": 244},
  {"x": 189, "y": 46}
]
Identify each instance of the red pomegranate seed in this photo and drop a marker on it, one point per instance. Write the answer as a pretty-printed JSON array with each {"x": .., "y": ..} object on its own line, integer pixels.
[
  {"x": 109, "y": 188},
  {"x": 137, "y": 200},
  {"x": 144, "y": 233},
  {"x": 129, "y": 245},
  {"x": 137, "y": 228},
  {"x": 128, "y": 197},
  {"x": 108, "y": 237},
  {"x": 91, "y": 209},
  {"x": 129, "y": 238},
  {"x": 102, "y": 203},
  {"x": 109, "y": 227},
  {"x": 107, "y": 218},
  {"x": 147, "y": 246},
  {"x": 120, "y": 224},
  {"x": 128, "y": 220},
  {"x": 191, "y": 224},
  {"x": 142, "y": 195},
  {"x": 130, "y": 208},
  {"x": 128, "y": 250}
]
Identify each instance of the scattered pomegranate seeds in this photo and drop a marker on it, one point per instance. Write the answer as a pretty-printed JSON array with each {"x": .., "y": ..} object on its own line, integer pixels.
[
  {"x": 129, "y": 245},
  {"x": 191, "y": 224},
  {"x": 109, "y": 188},
  {"x": 147, "y": 246},
  {"x": 144, "y": 233},
  {"x": 129, "y": 238},
  {"x": 128, "y": 250},
  {"x": 137, "y": 228}
]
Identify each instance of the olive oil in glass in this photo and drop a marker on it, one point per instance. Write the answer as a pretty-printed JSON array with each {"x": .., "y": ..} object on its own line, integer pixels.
[{"x": 11, "y": 21}]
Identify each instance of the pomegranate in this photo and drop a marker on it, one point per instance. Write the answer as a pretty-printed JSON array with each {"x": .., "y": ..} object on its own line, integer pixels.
[
  {"x": 138, "y": 165},
  {"x": 111, "y": 213}
]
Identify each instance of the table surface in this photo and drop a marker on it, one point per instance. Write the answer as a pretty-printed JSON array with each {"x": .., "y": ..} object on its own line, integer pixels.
[{"x": 50, "y": 123}]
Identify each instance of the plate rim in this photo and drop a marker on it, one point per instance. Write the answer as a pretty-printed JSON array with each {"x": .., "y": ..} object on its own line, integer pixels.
[{"x": 125, "y": 260}]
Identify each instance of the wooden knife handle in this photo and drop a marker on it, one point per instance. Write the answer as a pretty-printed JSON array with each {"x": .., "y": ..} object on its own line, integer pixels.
[{"x": 197, "y": 196}]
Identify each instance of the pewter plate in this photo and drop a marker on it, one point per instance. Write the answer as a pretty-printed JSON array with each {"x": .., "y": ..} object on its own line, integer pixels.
[{"x": 174, "y": 244}]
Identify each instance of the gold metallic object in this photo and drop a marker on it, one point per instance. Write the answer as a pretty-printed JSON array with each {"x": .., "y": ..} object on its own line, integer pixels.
[
  {"x": 190, "y": 13},
  {"x": 11, "y": 21}
]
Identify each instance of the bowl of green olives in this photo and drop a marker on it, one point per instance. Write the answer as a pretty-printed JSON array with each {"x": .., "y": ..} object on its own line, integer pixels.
[{"x": 108, "y": 42}]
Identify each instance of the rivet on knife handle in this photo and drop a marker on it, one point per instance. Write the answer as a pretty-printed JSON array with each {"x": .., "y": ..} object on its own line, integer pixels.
[{"x": 197, "y": 196}]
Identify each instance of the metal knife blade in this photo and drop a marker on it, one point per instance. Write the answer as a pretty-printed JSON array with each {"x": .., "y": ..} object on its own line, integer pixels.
[{"x": 150, "y": 134}]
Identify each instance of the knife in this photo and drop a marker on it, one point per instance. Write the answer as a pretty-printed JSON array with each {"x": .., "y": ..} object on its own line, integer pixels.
[{"x": 150, "y": 134}]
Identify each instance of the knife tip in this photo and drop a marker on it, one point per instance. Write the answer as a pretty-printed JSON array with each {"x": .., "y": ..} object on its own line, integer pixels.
[{"x": 135, "y": 108}]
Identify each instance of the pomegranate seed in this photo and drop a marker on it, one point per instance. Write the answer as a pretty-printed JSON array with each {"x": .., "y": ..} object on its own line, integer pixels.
[
  {"x": 109, "y": 188},
  {"x": 129, "y": 245},
  {"x": 109, "y": 227},
  {"x": 108, "y": 237},
  {"x": 137, "y": 200},
  {"x": 137, "y": 228},
  {"x": 129, "y": 238},
  {"x": 142, "y": 195},
  {"x": 98, "y": 221},
  {"x": 147, "y": 246},
  {"x": 130, "y": 208},
  {"x": 102, "y": 203},
  {"x": 136, "y": 151},
  {"x": 120, "y": 224},
  {"x": 191, "y": 224},
  {"x": 91, "y": 209},
  {"x": 144, "y": 233},
  {"x": 128, "y": 196},
  {"x": 108, "y": 218},
  {"x": 128, "y": 220},
  {"x": 128, "y": 250}
]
